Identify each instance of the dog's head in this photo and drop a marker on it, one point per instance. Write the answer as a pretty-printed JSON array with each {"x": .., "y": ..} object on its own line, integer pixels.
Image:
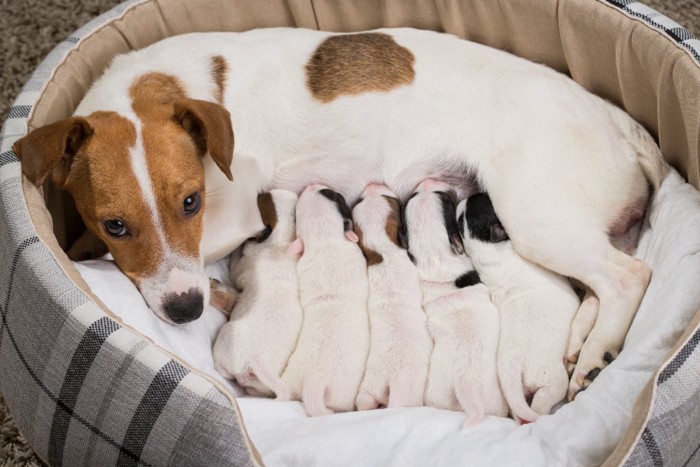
[
  {"x": 322, "y": 214},
  {"x": 478, "y": 220},
  {"x": 137, "y": 179},
  {"x": 430, "y": 226}
]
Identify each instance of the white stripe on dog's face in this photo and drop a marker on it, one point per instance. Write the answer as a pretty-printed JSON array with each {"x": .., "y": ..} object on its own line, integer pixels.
[
  {"x": 135, "y": 174},
  {"x": 179, "y": 289}
]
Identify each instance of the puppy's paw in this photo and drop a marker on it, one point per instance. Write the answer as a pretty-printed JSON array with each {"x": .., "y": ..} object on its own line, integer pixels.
[{"x": 587, "y": 370}]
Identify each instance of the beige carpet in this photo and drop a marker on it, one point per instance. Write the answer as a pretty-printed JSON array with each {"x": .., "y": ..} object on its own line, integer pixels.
[{"x": 31, "y": 28}]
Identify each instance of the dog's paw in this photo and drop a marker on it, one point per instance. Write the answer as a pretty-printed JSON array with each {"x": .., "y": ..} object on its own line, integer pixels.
[
  {"x": 581, "y": 327},
  {"x": 222, "y": 297},
  {"x": 585, "y": 373}
]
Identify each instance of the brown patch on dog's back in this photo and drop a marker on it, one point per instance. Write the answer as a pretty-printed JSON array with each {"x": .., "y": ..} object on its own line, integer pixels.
[
  {"x": 357, "y": 63},
  {"x": 266, "y": 205},
  {"x": 371, "y": 256},
  {"x": 393, "y": 220},
  {"x": 219, "y": 70}
]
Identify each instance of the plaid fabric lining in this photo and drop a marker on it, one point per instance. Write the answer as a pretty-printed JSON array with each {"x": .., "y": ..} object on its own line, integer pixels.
[
  {"x": 83, "y": 389},
  {"x": 674, "y": 30},
  {"x": 670, "y": 437},
  {"x": 111, "y": 405}
]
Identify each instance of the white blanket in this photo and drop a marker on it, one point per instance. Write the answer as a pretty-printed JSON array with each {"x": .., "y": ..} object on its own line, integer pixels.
[{"x": 583, "y": 432}]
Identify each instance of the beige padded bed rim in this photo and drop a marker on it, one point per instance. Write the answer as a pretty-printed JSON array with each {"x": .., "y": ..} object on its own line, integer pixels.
[{"x": 60, "y": 95}]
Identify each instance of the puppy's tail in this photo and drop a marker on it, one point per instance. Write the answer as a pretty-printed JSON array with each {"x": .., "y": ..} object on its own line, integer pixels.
[
  {"x": 649, "y": 155},
  {"x": 472, "y": 402},
  {"x": 514, "y": 392},
  {"x": 270, "y": 379},
  {"x": 314, "y": 397}
]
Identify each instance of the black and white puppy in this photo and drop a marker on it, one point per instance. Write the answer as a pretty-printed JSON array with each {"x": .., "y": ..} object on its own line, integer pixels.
[
  {"x": 327, "y": 366},
  {"x": 254, "y": 346},
  {"x": 536, "y": 307},
  {"x": 462, "y": 320},
  {"x": 400, "y": 346}
]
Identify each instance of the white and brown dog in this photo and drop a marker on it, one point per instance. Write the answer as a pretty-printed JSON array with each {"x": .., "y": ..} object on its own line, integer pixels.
[
  {"x": 400, "y": 346},
  {"x": 536, "y": 307},
  {"x": 328, "y": 363},
  {"x": 394, "y": 106},
  {"x": 254, "y": 346},
  {"x": 462, "y": 320}
]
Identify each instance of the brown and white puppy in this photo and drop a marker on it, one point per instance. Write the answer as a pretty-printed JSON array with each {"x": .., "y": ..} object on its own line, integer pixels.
[
  {"x": 535, "y": 305},
  {"x": 432, "y": 106},
  {"x": 327, "y": 365},
  {"x": 462, "y": 320},
  {"x": 400, "y": 346},
  {"x": 254, "y": 346}
]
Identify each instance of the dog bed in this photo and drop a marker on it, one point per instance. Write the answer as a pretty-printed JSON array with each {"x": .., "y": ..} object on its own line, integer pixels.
[{"x": 86, "y": 387}]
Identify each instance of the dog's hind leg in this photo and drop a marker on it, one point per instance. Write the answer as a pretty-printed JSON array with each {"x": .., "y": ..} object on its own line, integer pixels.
[
  {"x": 618, "y": 280},
  {"x": 544, "y": 230},
  {"x": 580, "y": 328}
]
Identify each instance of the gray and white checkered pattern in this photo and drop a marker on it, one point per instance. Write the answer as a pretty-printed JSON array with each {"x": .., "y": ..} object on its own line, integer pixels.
[
  {"x": 83, "y": 389},
  {"x": 671, "y": 434},
  {"x": 678, "y": 33}
]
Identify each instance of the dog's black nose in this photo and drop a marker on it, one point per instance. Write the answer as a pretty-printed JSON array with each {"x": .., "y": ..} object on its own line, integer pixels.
[{"x": 185, "y": 307}]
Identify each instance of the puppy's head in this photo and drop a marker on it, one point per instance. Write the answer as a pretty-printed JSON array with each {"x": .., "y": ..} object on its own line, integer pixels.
[
  {"x": 478, "y": 221},
  {"x": 377, "y": 219},
  {"x": 323, "y": 214},
  {"x": 277, "y": 211},
  {"x": 137, "y": 179},
  {"x": 430, "y": 226}
]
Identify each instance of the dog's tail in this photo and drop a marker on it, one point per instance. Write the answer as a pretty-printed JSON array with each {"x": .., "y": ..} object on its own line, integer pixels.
[
  {"x": 270, "y": 379},
  {"x": 314, "y": 396},
  {"x": 649, "y": 155},
  {"x": 471, "y": 400},
  {"x": 514, "y": 392}
]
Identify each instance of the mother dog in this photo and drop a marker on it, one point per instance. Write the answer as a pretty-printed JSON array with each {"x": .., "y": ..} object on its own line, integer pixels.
[{"x": 565, "y": 170}]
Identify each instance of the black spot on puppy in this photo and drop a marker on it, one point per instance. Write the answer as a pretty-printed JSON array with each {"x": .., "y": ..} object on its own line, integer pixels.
[
  {"x": 343, "y": 208},
  {"x": 467, "y": 279},
  {"x": 482, "y": 221},
  {"x": 450, "y": 221}
]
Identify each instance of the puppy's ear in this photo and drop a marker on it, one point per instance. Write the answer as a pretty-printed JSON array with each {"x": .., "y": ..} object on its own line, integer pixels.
[
  {"x": 50, "y": 150},
  {"x": 498, "y": 233},
  {"x": 263, "y": 235},
  {"x": 209, "y": 124},
  {"x": 402, "y": 233}
]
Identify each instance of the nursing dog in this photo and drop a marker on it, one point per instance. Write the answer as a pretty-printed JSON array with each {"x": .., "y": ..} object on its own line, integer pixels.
[
  {"x": 536, "y": 307},
  {"x": 327, "y": 365},
  {"x": 462, "y": 320},
  {"x": 254, "y": 346},
  {"x": 399, "y": 352},
  {"x": 393, "y": 106}
]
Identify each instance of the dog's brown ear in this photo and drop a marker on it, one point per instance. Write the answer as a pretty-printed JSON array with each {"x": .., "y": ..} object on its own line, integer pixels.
[
  {"x": 209, "y": 124},
  {"x": 50, "y": 149}
]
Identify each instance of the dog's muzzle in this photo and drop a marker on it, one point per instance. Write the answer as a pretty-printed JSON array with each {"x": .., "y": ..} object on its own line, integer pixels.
[{"x": 185, "y": 307}]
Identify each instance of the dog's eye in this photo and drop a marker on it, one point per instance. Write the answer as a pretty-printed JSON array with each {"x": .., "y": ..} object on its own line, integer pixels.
[
  {"x": 115, "y": 227},
  {"x": 192, "y": 204}
]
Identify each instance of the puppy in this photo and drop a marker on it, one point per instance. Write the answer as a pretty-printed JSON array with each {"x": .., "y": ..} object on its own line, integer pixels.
[
  {"x": 399, "y": 353},
  {"x": 536, "y": 308},
  {"x": 254, "y": 346},
  {"x": 461, "y": 318},
  {"x": 327, "y": 366}
]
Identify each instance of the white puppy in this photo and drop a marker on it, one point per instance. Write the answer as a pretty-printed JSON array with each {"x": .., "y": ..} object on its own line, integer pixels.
[
  {"x": 461, "y": 318},
  {"x": 326, "y": 368},
  {"x": 255, "y": 345},
  {"x": 400, "y": 346},
  {"x": 536, "y": 307}
]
